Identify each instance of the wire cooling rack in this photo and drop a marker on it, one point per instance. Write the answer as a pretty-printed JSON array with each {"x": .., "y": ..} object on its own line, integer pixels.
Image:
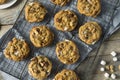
[{"x": 21, "y": 29}]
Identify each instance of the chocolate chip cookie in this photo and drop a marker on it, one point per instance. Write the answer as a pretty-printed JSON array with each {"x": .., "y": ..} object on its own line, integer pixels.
[
  {"x": 60, "y": 2},
  {"x": 90, "y": 32},
  {"x": 65, "y": 20},
  {"x": 67, "y": 52},
  {"x": 41, "y": 36},
  {"x": 89, "y": 7},
  {"x": 39, "y": 67},
  {"x": 2, "y": 1},
  {"x": 16, "y": 50},
  {"x": 35, "y": 12},
  {"x": 66, "y": 75}
]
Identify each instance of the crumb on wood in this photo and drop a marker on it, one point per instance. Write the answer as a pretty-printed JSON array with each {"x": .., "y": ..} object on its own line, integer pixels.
[
  {"x": 110, "y": 68},
  {"x": 119, "y": 67}
]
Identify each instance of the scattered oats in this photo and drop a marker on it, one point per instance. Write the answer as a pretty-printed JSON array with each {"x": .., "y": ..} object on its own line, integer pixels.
[
  {"x": 103, "y": 62},
  {"x": 113, "y": 53},
  {"x": 115, "y": 59},
  {"x": 107, "y": 75},
  {"x": 113, "y": 76},
  {"x": 102, "y": 69}
]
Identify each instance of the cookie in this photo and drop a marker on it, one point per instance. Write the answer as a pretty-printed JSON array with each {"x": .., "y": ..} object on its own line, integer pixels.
[
  {"x": 90, "y": 32},
  {"x": 60, "y": 2},
  {"x": 39, "y": 67},
  {"x": 16, "y": 50},
  {"x": 41, "y": 36},
  {"x": 2, "y": 1},
  {"x": 66, "y": 75},
  {"x": 65, "y": 20},
  {"x": 89, "y": 7},
  {"x": 67, "y": 52},
  {"x": 35, "y": 12}
]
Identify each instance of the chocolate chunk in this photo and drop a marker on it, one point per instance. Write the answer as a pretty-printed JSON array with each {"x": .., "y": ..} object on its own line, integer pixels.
[
  {"x": 70, "y": 15},
  {"x": 58, "y": 20}
]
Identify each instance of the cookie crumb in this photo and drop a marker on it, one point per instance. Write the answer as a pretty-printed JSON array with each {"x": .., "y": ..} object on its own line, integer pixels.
[
  {"x": 107, "y": 67},
  {"x": 119, "y": 67},
  {"x": 111, "y": 68}
]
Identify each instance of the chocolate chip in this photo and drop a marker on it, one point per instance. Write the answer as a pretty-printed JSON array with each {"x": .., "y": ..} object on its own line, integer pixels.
[
  {"x": 46, "y": 64},
  {"x": 71, "y": 48},
  {"x": 38, "y": 30},
  {"x": 86, "y": 37},
  {"x": 58, "y": 20},
  {"x": 37, "y": 71},
  {"x": 70, "y": 15}
]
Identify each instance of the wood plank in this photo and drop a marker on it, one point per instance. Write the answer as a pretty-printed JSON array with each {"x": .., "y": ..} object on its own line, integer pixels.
[
  {"x": 115, "y": 36},
  {"x": 9, "y": 15},
  {"x": 4, "y": 29}
]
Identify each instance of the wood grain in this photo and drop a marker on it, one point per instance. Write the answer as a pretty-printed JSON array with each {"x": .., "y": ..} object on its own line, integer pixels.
[
  {"x": 4, "y": 29},
  {"x": 9, "y": 15}
]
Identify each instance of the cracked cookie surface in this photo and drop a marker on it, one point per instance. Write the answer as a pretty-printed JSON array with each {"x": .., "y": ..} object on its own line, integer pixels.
[
  {"x": 66, "y": 75},
  {"x": 65, "y": 20},
  {"x": 41, "y": 36},
  {"x": 89, "y": 7},
  {"x": 16, "y": 50},
  {"x": 90, "y": 32},
  {"x": 2, "y": 1},
  {"x": 60, "y": 2},
  {"x": 67, "y": 52},
  {"x": 39, "y": 67},
  {"x": 35, "y": 12}
]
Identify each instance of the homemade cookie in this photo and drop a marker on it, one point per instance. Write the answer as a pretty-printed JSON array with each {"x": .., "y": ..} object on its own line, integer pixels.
[
  {"x": 90, "y": 32},
  {"x": 60, "y": 2},
  {"x": 65, "y": 20},
  {"x": 89, "y": 7},
  {"x": 41, "y": 36},
  {"x": 66, "y": 75},
  {"x": 2, "y": 1},
  {"x": 35, "y": 12},
  {"x": 39, "y": 67},
  {"x": 16, "y": 50},
  {"x": 67, "y": 52}
]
